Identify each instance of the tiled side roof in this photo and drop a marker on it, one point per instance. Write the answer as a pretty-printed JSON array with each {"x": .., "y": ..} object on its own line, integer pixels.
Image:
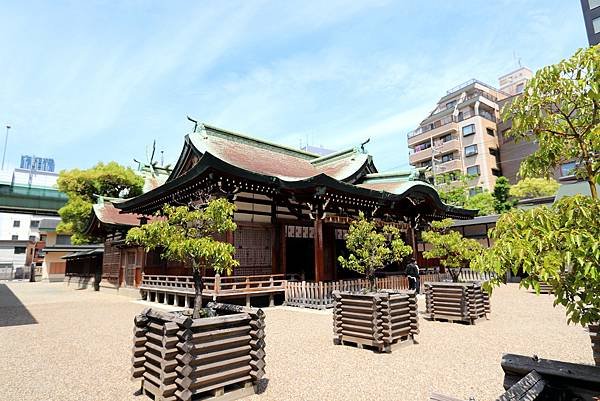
[{"x": 108, "y": 214}]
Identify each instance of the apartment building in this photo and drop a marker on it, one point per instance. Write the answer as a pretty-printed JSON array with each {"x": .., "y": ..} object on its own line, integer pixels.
[
  {"x": 591, "y": 17},
  {"x": 460, "y": 135}
]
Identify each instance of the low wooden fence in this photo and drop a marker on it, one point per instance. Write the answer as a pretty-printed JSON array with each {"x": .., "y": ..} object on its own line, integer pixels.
[
  {"x": 471, "y": 275},
  {"x": 319, "y": 295},
  {"x": 179, "y": 290}
]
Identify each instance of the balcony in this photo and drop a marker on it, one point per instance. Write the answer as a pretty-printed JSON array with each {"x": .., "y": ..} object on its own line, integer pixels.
[
  {"x": 448, "y": 166},
  {"x": 431, "y": 130},
  {"x": 419, "y": 156},
  {"x": 447, "y": 146}
]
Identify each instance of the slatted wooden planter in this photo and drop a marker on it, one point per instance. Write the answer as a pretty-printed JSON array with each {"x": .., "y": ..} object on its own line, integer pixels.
[
  {"x": 466, "y": 302},
  {"x": 594, "y": 330},
  {"x": 563, "y": 380},
  {"x": 382, "y": 320},
  {"x": 182, "y": 359}
]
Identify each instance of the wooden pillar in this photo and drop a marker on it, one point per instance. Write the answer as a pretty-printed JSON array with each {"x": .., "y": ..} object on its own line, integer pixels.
[
  {"x": 282, "y": 250},
  {"x": 319, "y": 250}
]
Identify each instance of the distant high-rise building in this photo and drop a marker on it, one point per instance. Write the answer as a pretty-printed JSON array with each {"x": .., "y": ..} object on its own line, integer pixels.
[
  {"x": 37, "y": 163},
  {"x": 591, "y": 16},
  {"x": 460, "y": 135}
]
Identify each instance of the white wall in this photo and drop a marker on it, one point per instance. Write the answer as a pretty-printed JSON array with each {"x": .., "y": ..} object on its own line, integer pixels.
[
  {"x": 7, "y": 255},
  {"x": 7, "y": 229}
]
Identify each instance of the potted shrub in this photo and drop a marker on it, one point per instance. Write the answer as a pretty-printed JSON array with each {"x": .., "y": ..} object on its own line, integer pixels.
[
  {"x": 380, "y": 319},
  {"x": 211, "y": 351},
  {"x": 456, "y": 301}
]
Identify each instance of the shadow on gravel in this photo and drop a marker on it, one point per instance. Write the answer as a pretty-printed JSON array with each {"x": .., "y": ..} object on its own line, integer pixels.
[{"x": 12, "y": 311}]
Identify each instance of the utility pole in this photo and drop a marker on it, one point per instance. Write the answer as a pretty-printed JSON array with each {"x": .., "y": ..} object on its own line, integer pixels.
[{"x": 5, "y": 143}]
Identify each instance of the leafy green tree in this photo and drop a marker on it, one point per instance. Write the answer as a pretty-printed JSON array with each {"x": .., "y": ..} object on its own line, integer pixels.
[
  {"x": 187, "y": 235},
  {"x": 372, "y": 249},
  {"x": 528, "y": 188},
  {"x": 559, "y": 109},
  {"x": 483, "y": 202},
  {"x": 502, "y": 201},
  {"x": 81, "y": 186},
  {"x": 453, "y": 187},
  {"x": 454, "y": 251},
  {"x": 558, "y": 245}
]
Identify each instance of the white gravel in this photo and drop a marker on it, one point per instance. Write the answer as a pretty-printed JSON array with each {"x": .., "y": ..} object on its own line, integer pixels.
[{"x": 78, "y": 348}]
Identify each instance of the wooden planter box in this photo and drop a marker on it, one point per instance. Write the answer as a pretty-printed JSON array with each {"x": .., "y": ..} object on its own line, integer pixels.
[
  {"x": 595, "y": 337},
  {"x": 179, "y": 358},
  {"x": 382, "y": 320},
  {"x": 466, "y": 302}
]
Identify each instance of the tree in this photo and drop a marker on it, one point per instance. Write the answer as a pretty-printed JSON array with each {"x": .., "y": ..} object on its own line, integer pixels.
[
  {"x": 81, "y": 187},
  {"x": 187, "y": 234},
  {"x": 454, "y": 251},
  {"x": 453, "y": 188},
  {"x": 502, "y": 201},
  {"x": 558, "y": 245},
  {"x": 483, "y": 202},
  {"x": 528, "y": 188},
  {"x": 372, "y": 249},
  {"x": 559, "y": 109}
]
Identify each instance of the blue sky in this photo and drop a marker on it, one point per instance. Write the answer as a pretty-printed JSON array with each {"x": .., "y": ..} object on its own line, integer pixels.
[{"x": 88, "y": 81}]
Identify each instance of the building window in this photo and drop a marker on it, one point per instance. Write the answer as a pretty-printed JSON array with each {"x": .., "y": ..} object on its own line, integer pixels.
[
  {"x": 34, "y": 224},
  {"x": 14, "y": 238},
  {"x": 62, "y": 239},
  {"x": 475, "y": 190},
  {"x": 471, "y": 150},
  {"x": 16, "y": 223},
  {"x": 426, "y": 163},
  {"x": 20, "y": 250},
  {"x": 451, "y": 104},
  {"x": 446, "y": 138},
  {"x": 593, "y": 4},
  {"x": 468, "y": 129},
  {"x": 490, "y": 132},
  {"x": 473, "y": 170},
  {"x": 520, "y": 88},
  {"x": 447, "y": 157},
  {"x": 567, "y": 169},
  {"x": 596, "y": 25}
]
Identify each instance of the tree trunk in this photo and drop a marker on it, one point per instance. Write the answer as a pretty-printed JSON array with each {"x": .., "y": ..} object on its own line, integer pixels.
[
  {"x": 593, "y": 190},
  {"x": 198, "y": 284}
]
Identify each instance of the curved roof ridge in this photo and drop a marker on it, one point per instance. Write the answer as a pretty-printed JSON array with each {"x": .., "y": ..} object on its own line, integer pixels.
[
  {"x": 208, "y": 129},
  {"x": 334, "y": 156}
]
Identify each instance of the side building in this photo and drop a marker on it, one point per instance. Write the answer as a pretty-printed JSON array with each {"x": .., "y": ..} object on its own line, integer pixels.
[
  {"x": 591, "y": 17},
  {"x": 27, "y": 198}
]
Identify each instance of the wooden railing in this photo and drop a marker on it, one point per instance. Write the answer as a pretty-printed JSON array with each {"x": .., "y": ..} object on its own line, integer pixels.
[
  {"x": 227, "y": 286},
  {"x": 318, "y": 295},
  {"x": 169, "y": 289}
]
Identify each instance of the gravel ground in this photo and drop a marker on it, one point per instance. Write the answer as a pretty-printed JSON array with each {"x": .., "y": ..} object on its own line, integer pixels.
[{"x": 62, "y": 344}]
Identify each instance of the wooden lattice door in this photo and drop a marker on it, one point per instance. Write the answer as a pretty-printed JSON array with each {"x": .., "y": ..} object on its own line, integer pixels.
[{"x": 130, "y": 266}]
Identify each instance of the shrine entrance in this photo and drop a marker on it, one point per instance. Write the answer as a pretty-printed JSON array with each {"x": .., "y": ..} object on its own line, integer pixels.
[{"x": 300, "y": 252}]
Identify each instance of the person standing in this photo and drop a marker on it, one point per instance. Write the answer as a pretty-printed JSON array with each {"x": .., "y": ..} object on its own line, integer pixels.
[{"x": 412, "y": 272}]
